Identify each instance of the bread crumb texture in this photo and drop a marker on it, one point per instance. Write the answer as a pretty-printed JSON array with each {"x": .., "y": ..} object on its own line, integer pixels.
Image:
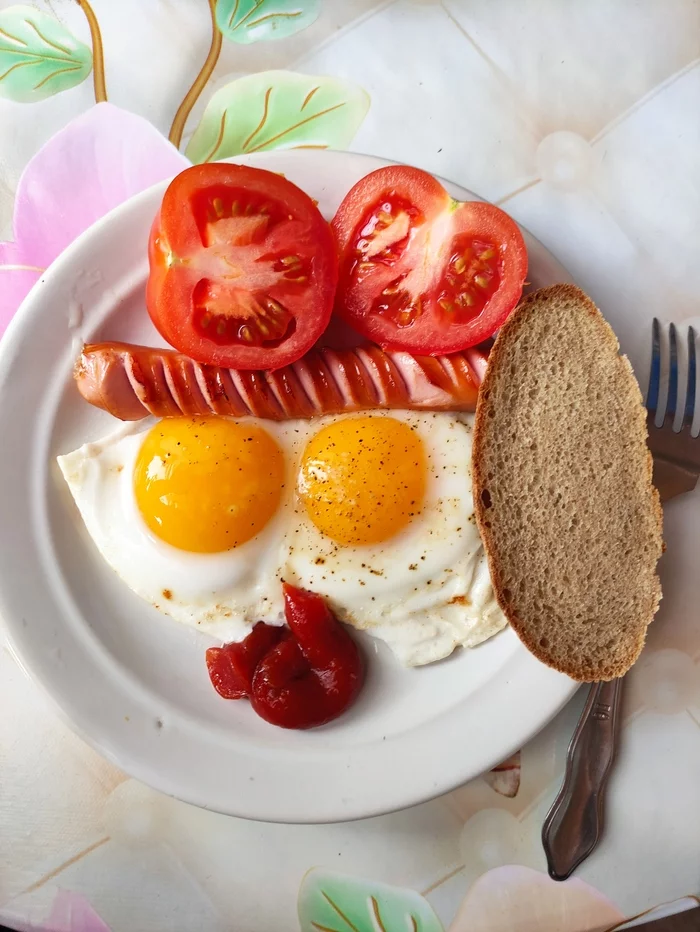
[{"x": 563, "y": 487}]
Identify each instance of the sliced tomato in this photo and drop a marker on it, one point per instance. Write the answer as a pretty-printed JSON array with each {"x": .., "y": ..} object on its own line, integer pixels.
[
  {"x": 420, "y": 271},
  {"x": 243, "y": 268}
]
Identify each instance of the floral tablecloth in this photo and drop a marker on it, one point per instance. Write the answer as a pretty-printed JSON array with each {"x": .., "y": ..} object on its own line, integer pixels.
[{"x": 583, "y": 119}]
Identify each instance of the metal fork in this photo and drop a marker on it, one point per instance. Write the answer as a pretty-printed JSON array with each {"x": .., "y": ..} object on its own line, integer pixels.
[{"x": 573, "y": 825}]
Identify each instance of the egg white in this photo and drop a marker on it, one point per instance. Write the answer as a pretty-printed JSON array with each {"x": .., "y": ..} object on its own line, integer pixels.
[{"x": 424, "y": 592}]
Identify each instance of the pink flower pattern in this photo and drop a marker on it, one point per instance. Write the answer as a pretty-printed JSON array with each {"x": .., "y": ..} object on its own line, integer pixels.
[
  {"x": 71, "y": 912},
  {"x": 100, "y": 159}
]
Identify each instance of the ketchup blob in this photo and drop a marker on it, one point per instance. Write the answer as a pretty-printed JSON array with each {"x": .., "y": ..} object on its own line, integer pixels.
[{"x": 296, "y": 677}]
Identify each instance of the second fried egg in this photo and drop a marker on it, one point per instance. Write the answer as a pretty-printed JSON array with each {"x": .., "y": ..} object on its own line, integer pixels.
[{"x": 385, "y": 529}]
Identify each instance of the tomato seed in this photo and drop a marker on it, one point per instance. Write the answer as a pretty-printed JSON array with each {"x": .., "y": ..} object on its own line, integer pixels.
[{"x": 218, "y": 206}]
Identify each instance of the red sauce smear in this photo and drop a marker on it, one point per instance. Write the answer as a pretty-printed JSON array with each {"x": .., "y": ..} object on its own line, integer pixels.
[{"x": 300, "y": 676}]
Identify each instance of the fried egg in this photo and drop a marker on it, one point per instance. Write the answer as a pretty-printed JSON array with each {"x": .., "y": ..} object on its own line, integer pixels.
[
  {"x": 163, "y": 505},
  {"x": 389, "y": 536},
  {"x": 205, "y": 517}
]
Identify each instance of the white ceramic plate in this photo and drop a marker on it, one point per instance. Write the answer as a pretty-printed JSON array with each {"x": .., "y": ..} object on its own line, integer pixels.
[{"x": 133, "y": 682}]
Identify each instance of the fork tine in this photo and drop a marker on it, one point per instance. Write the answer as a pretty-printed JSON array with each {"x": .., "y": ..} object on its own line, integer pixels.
[
  {"x": 655, "y": 368},
  {"x": 689, "y": 412},
  {"x": 672, "y": 400}
]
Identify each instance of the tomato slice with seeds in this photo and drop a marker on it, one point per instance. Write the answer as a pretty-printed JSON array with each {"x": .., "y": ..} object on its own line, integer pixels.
[
  {"x": 243, "y": 268},
  {"x": 420, "y": 271}
]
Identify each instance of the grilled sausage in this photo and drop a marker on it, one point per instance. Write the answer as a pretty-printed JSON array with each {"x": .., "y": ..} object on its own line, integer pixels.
[{"x": 132, "y": 382}]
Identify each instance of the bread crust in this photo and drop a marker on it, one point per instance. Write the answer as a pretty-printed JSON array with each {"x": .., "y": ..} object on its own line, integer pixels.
[{"x": 597, "y": 645}]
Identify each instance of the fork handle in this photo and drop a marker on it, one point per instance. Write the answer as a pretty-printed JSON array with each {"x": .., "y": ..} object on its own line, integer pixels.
[{"x": 574, "y": 823}]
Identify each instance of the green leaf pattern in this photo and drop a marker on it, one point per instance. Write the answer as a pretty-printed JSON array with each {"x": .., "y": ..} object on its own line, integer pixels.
[
  {"x": 38, "y": 56},
  {"x": 331, "y": 902},
  {"x": 246, "y": 21},
  {"x": 278, "y": 110}
]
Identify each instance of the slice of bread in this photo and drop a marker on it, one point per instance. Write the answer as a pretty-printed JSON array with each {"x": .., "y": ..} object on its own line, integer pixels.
[{"x": 564, "y": 500}]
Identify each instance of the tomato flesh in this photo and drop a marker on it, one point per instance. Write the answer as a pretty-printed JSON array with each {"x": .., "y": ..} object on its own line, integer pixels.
[
  {"x": 243, "y": 268},
  {"x": 296, "y": 677},
  {"x": 420, "y": 271}
]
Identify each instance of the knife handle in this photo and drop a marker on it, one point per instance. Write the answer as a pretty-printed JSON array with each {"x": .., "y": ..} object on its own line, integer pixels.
[{"x": 573, "y": 825}]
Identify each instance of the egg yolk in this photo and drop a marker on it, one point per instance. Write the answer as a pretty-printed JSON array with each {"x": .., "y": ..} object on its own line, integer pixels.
[
  {"x": 362, "y": 479},
  {"x": 207, "y": 484}
]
